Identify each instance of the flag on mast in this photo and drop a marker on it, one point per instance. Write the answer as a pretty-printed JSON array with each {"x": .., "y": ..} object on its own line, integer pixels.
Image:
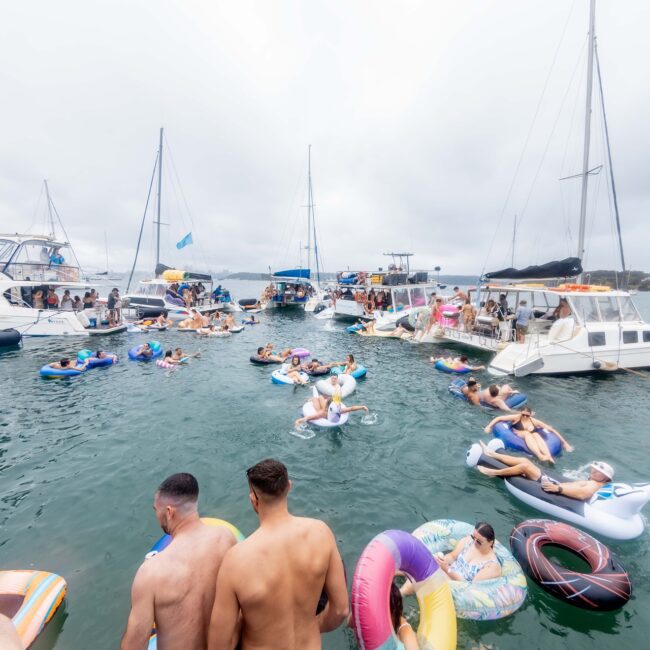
[{"x": 186, "y": 241}]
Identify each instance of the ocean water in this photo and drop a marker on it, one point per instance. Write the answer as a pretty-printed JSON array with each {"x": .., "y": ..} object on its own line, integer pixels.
[{"x": 80, "y": 460}]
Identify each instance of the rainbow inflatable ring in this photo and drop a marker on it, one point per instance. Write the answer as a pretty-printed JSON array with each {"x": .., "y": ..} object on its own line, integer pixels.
[
  {"x": 387, "y": 553},
  {"x": 30, "y": 599},
  {"x": 485, "y": 600},
  {"x": 451, "y": 366}
]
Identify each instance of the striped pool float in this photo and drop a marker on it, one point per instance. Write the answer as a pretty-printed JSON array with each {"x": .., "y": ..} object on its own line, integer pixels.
[{"x": 29, "y": 599}]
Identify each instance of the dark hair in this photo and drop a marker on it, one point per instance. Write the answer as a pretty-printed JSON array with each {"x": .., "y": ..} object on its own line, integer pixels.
[
  {"x": 65, "y": 362},
  {"x": 181, "y": 486},
  {"x": 168, "y": 353},
  {"x": 456, "y": 288},
  {"x": 485, "y": 529},
  {"x": 295, "y": 358},
  {"x": 269, "y": 476},
  {"x": 464, "y": 359},
  {"x": 471, "y": 381},
  {"x": 396, "y": 605},
  {"x": 351, "y": 357},
  {"x": 494, "y": 390},
  {"x": 98, "y": 353},
  {"x": 260, "y": 350},
  {"x": 526, "y": 408}
]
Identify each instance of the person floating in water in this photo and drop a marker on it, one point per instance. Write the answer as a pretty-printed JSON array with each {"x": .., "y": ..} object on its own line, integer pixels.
[{"x": 328, "y": 408}]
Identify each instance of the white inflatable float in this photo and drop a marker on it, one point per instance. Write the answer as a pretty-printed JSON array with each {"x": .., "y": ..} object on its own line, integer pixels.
[
  {"x": 334, "y": 416},
  {"x": 346, "y": 385}
]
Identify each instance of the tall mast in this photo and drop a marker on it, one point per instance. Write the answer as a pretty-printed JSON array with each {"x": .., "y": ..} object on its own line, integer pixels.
[
  {"x": 514, "y": 238},
  {"x": 160, "y": 164},
  {"x": 106, "y": 247},
  {"x": 49, "y": 209},
  {"x": 309, "y": 211},
  {"x": 611, "y": 172},
  {"x": 585, "y": 155}
]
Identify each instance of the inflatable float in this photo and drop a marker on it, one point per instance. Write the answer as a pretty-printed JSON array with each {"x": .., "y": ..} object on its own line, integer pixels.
[
  {"x": 236, "y": 329},
  {"x": 614, "y": 511},
  {"x": 155, "y": 347},
  {"x": 451, "y": 366},
  {"x": 504, "y": 432},
  {"x": 166, "y": 540},
  {"x": 280, "y": 377},
  {"x": 361, "y": 371},
  {"x": 387, "y": 553},
  {"x": 94, "y": 361},
  {"x": 484, "y": 600},
  {"x": 30, "y": 599},
  {"x": 514, "y": 401},
  {"x": 347, "y": 384},
  {"x": 250, "y": 322},
  {"x": 300, "y": 353},
  {"x": 261, "y": 361},
  {"x": 55, "y": 373},
  {"x": 318, "y": 373},
  {"x": 606, "y": 588},
  {"x": 334, "y": 416}
]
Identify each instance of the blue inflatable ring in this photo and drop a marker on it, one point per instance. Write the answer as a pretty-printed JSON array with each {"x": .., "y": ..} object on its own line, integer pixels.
[
  {"x": 361, "y": 371},
  {"x": 504, "y": 432},
  {"x": 513, "y": 401},
  {"x": 155, "y": 346}
]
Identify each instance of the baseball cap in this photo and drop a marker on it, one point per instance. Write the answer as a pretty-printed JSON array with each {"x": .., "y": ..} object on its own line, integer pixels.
[{"x": 603, "y": 468}]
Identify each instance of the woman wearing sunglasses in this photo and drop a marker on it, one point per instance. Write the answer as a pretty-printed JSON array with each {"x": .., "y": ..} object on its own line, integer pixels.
[
  {"x": 526, "y": 427},
  {"x": 473, "y": 559}
]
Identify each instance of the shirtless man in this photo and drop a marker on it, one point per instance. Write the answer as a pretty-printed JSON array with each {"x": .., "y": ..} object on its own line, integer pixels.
[
  {"x": 175, "y": 588},
  {"x": 495, "y": 396},
  {"x": 271, "y": 583},
  {"x": 471, "y": 391},
  {"x": 600, "y": 474}
]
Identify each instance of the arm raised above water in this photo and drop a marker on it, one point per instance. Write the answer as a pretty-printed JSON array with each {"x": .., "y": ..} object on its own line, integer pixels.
[
  {"x": 336, "y": 610},
  {"x": 141, "y": 618}
]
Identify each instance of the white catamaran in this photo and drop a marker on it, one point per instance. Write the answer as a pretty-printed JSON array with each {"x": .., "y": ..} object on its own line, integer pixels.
[{"x": 577, "y": 328}]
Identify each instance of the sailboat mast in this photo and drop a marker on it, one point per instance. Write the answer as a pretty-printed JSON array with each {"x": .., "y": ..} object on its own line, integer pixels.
[
  {"x": 611, "y": 172},
  {"x": 514, "y": 238},
  {"x": 49, "y": 208},
  {"x": 160, "y": 164},
  {"x": 585, "y": 154},
  {"x": 106, "y": 247},
  {"x": 309, "y": 207}
]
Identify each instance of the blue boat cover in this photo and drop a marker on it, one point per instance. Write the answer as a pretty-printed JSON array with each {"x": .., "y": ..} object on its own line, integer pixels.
[{"x": 293, "y": 273}]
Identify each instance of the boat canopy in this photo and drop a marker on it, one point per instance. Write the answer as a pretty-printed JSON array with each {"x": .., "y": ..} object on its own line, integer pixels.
[
  {"x": 567, "y": 268},
  {"x": 304, "y": 274}
]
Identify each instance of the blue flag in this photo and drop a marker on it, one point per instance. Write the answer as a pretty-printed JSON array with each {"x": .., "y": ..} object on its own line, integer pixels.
[{"x": 186, "y": 241}]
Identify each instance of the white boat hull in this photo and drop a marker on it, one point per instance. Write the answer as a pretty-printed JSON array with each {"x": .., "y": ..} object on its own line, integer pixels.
[{"x": 46, "y": 322}]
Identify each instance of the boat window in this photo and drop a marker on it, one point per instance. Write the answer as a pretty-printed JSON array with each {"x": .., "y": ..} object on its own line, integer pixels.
[
  {"x": 646, "y": 336},
  {"x": 585, "y": 308},
  {"x": 631, "y": 336},
  {"x": 418, "y": 299},
  {"x": 400, "y": 298},
  {"x": 7, "y": 247},
  {"x": 608, "y": 307},
  {"x": 596, "y": 338},
  {"x": 628, "y": 309},
  {"x": 428, "y": 292}
]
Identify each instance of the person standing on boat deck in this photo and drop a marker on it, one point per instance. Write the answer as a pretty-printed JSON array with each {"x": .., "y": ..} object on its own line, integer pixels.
[
  {"x": 502, "y": 310},
  {"x": 52, "y": 301},
  {"x": 66, "y": 301},
  {"x": 270, "y": 584},
  {"x": 522, "y": 317},
  {"x": 175, "y": 589},
  {"x": 459, "y": 295}
]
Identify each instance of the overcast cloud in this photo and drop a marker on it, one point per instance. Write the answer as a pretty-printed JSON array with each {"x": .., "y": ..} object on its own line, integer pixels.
[{"x": 417, "y": 113}]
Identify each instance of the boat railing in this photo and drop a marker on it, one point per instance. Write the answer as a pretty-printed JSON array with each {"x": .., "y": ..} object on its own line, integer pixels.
[{"x": 33, "y": 271}]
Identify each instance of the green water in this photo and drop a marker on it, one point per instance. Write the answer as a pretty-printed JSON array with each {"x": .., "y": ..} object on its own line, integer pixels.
[{"x": 80, "y": 460}]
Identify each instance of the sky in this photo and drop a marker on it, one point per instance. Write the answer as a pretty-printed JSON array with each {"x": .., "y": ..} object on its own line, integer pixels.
[{"x": 433, "y": 126}]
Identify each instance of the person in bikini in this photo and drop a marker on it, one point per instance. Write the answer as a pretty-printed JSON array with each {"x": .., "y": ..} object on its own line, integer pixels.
[
  {"x": 524, "y": 425},
  {"x": 293, "y": 371},
  {"x": 328, "y": 408},
  {"x": 600, "y": 474}
]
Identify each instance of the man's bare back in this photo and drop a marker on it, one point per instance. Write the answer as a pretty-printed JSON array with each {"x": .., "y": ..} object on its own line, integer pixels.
[
  {"x": 183, "y": 579},
  {"x": 175, "y": 588},
  {"x": 277, "y": 576}
]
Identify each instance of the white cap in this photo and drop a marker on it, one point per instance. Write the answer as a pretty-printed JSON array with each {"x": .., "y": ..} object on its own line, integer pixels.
[{"x": 603, "y": 468}]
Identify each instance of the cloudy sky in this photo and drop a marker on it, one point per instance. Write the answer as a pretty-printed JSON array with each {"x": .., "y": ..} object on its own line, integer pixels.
[{"x": 432, "y": 125}]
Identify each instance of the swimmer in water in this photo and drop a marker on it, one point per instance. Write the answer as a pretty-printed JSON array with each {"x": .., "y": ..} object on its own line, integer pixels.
[
  {"x": 457, "y": 360},
  {"x": 323, "y": 412}
]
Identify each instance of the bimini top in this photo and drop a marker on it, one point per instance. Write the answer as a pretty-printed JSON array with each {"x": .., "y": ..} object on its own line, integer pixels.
[
  {"x": 570, "y": 267},
  {"x": 297, "y": 274}
]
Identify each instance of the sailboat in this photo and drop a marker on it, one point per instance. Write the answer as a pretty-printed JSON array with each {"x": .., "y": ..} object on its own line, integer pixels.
[
  {"x": 578, "y": 328},
  {"x": 296, "y": 287},
  {"x": 164, "y": 292}
]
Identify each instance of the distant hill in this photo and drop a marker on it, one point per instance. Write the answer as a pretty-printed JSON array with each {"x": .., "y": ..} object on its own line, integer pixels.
[{"x": 639, "y": 280}]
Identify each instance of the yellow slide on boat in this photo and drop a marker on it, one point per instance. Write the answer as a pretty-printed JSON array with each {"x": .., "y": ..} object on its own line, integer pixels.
[{"x": 29, "y": 599}]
